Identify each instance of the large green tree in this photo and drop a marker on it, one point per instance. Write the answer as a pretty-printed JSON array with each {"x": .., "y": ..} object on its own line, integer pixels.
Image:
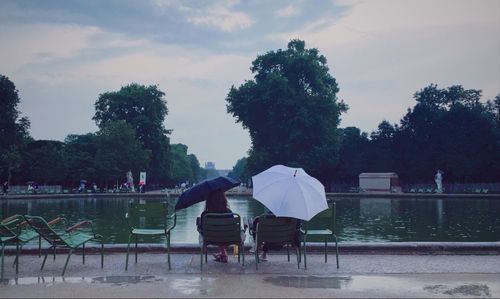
[
  {"x": 291, "y": 111},
  {"x": 80, "y": 152},
  {"x": 447, "y": 129},
  {"x": 44, "y": 162},
  {"x": 13, "y": 129},
  {"x": 119, "y": 151},
  {"x": 144, "y": 108}
]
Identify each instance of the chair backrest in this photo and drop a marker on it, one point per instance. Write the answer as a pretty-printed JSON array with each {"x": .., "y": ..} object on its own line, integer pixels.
[
  {"x": 221, "y": 228},
  {"x": 277, "y": 230},
  {"x": 323, "y": 220},
  {"x": 149, "y": 215},
  {"x": 45, "y": 230},
  {"x": 6, "y": 232},
  {"x": 9, "y": 226}
]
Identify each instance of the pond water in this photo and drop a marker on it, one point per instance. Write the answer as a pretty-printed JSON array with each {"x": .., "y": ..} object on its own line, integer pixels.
[{"x": 358, "y": 219}]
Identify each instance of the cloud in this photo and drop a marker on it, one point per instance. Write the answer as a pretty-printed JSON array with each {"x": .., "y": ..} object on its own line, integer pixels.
[
  {"x": 288, "y": 11},
  {"x": 220, "y": 15},
  {"x": 381, "y": 52}
]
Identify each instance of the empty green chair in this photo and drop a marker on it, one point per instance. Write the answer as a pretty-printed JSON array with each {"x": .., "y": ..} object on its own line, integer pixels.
[
  {"x": 222, "y": 229},
  {"x": 278, "y": 232},
  {"x": 150, "y": 219},
  {"x": 16, "y": 226},
  {"x": 69, "y": 238},
  {"x": 322, "y": 226},
  {"x": 6, "y": 237}
]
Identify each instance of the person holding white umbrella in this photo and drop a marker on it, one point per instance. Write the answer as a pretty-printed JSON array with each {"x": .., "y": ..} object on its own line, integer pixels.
[{"x": 289, "y": 192}]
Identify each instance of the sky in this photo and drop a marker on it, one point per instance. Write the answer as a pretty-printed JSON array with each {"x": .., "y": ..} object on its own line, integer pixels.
[{"x": 62, "y": 54}]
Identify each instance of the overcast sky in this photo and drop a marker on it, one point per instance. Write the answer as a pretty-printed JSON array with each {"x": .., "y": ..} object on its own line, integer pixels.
[{"x": 62, "y": 54}]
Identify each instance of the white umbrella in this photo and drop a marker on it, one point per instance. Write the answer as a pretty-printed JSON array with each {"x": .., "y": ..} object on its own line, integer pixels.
[{"x": 289, "y": 192}]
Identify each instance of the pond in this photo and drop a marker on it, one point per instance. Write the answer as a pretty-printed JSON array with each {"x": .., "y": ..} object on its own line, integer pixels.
[{"x": 358, "y": 219}]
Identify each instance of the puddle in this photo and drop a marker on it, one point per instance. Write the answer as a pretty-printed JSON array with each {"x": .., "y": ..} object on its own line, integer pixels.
[
  {"x": 123, "y": 280},
  {"x": 475, "y": 290},
  {"x": 304, "y": 282},
  {"x": 187, "y": 286}
]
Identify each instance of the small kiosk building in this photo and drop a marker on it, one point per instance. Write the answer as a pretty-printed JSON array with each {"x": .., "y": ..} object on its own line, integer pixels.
[{"x": 379, "y": 182}]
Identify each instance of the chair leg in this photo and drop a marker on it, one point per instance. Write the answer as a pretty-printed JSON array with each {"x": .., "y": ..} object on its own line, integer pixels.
[
  {"x": 45, "y": 258},
  {"x": 201, "y": 257},
  {"x": 288, "y": 252},
  {"x": 3, "y": 248},
  {"x": 55, "y": 253},
  {"x": 326, "y": 247},
  {"x": 298, "y": 257},
  {"x": 128, "y": 251},
  {"x": 83, "y": 254},
  {"x": 102, "y": 252},
  {"x": 67, "y": 260},
  {"x": 17, "y": 257},
  {"x": 168, "y": 252},
  {"x": 39, "y": 245},
  {"x": 136, "y": 237},
  {"x": 336, "y": 251},
  {"x": 257, "y": 256},
  {"x": 305, "y": 256},
  {"x": 241, "y": 251}
]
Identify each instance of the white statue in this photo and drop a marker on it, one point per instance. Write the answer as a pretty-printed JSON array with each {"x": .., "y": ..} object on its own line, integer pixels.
[{"x": 438, "y": 178}]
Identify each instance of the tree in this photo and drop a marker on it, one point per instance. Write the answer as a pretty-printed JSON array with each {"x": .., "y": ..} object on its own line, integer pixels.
[
  {"x": 144, "y": 109},
  {"x": 449, "y": 129},
  {"x": 13, "y": 161},
  {"x": 291, "y": 111},
  {"x": 181, "y": 170},
  {"x": 240, "y": 171},
  {"x": 353, "y": 154},
  {"x": 119, "y": 151},
  {"x": 44, "y": 162},
  {"x": 13, "y": 128},
  {"x": 80, "y": 152}
]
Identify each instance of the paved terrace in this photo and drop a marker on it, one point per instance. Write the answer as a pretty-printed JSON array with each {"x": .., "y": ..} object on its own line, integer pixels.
[{"x": 435, "y": 270}]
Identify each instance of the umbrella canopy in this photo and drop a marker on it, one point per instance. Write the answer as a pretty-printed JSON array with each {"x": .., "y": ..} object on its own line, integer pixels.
[
  {"x": 199, "y": 192},
  {"x": 289, "y": 192}
]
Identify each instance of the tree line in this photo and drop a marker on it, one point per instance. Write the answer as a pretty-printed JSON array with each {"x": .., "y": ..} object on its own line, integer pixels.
[
  {"x": 292, "y": 113},
  {"x": 131, "y": 136}
]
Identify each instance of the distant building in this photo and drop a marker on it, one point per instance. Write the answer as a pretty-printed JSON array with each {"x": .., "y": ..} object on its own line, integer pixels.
[
  {"x": 210, "y": 165},
  {"x": 379, "y": 182}
]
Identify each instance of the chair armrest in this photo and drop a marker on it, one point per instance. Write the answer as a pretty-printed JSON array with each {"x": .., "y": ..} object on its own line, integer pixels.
[
  {"x": 11, "y": 219},
  {"x": 56, "y": 220},
  {"x": 80, "y": 224}
]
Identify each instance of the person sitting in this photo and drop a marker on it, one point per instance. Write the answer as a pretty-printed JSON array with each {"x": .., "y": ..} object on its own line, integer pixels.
[
  {"x": 253, "y": 232},
  {"x": 215, "y": 203}
]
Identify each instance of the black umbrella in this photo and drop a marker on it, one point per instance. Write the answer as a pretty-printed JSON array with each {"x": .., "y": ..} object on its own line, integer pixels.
[{"x": 199, "y": 192}]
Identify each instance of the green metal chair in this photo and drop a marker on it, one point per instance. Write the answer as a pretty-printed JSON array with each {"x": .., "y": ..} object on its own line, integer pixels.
[
  {"x": 16, "y": 226},
  {"x": 70, "y": 238},
  {"x": 278, "y": 232},
  {"x": 323, "y": 226},
  {"x": 150, "y": 219},
  {"x": 222, "y": 229},
  {"x": 6, "y": 237}
]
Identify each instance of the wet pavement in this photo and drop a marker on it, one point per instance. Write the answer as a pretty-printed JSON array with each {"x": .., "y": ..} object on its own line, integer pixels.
[{"x": 366, "y": 275}]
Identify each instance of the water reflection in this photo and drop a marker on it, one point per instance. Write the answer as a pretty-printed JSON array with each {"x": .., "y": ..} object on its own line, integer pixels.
[
  {"x": 304, "y": 282},
  {"x": 359, "y": 219}
]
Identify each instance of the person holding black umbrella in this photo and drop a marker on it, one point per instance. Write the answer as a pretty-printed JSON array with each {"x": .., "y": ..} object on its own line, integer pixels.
[{"x": 216, "y": 203}]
